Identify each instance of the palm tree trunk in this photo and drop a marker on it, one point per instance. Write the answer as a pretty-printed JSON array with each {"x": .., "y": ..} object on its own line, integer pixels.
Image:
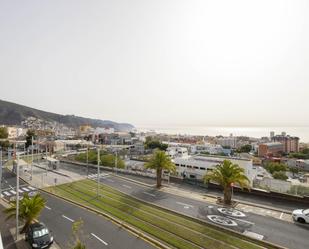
[
  {"x": 25, "y": 227},
  {"x": 159, "y": 177},
  {"x": 227, "y": 195}
]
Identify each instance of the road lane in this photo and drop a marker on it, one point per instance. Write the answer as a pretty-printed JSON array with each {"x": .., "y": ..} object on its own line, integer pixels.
[{"x": 288, "y": 234}]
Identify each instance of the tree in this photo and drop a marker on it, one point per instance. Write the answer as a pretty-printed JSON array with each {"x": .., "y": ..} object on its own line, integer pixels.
[
  {"x": 29, "y": 135},
  {"x": 4, "y": 133},
  {"x": 273, "y": 167},
  {"x": 154, "y": 144},
  {"x": 160, "y": 161},
  {"x": 227, "y": 174},
  {"x": 294, "y": 170},
  {"x": 245, "y": 149},
  {"x": 29, "y": 210},
  {"x": 280, "y": 175}
]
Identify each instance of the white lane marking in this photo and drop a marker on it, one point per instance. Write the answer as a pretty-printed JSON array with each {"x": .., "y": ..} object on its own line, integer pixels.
[
  {"x": 110, "y": 180},
  {"x": 25, "y": 189},
  {"x": 184, "y": 204},
  {"x": 47, "y": 207},
  {"x": 20, "y": 191},
  {"x": 7, "y": 193},
  {"x": 67, "y": 218},
  {"x": 102, "y": 241},
  {"x": 13, "y": 192},
  {"x": 149, "y": 194},
  {"x": 32, "y": 188},
  {"x": 126, "y": 186},
  {"x": 281, "y": 216}
]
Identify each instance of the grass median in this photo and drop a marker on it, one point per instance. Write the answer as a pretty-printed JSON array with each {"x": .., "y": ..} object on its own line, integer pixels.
[{"x": 173, "y": 229}]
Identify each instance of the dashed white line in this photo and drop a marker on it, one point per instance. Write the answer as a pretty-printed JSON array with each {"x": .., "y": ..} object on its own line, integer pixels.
[
  {"x": 146, "y": 193},
  {"x": 67, "y": 218},
  {"x": 184, "y": 204},
  {"x": 47, "y": 207},
  {"x": 13, "y": 192},
  {"x": 32, "y": 188},
  {"x": 126, "y": 186},
  {"x": 281, "y": 216},
  {"x": 99, "y": 239},
  {"x": 110, "y": 180},
  {"x": 25, "y": 189}
]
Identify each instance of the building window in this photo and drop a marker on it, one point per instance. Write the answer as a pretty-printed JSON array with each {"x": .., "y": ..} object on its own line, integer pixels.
[
  {"x": 182, "y": 165},
  {"x": 189, "y": 167},
  {"x": 202, "y": 168},
  {"x": 195, "y": 167}
]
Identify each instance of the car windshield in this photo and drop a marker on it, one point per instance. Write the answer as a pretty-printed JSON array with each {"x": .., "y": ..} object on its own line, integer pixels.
[
  {"x": 306, "y": 211},
  {"x": 40, "y": 233}
]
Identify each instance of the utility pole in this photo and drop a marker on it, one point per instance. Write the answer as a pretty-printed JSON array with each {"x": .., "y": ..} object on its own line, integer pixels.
[
  {"x": 0, "y": 171},
  {"x": 17, "y": 195},
  {"x": 46, "y": 157},
  {"x": 98, "y": 184},
  {"x": 116, "y": 161},
  {"x": 87, "y": 160},
  {"x": 31, "y": 156}
]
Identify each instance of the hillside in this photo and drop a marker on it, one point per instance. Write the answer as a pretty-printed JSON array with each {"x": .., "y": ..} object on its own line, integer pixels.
[{"x": 14, "y": 114}]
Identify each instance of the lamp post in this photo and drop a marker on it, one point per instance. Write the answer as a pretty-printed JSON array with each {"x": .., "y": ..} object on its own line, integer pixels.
[
  {"x": 87, "y": 160},
  {"x": 116, "y": 160},
  {"x": 0, "y": 171},
  {"x": 31, "y": 157},
  {"x": 17, "y": 195},
  {"x": 98, "y": 182}
]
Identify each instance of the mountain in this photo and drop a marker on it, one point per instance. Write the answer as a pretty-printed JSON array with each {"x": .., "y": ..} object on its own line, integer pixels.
[{"x": 14, "y": 114}]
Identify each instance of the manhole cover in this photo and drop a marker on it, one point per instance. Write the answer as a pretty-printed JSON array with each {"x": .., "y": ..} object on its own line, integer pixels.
[
  {"x": 221, "y": 220},
  {"x": 231, "y": 212}
]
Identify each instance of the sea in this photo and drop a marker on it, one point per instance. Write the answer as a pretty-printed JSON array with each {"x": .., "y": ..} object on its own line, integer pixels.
[{"x": 256, "y": 132}]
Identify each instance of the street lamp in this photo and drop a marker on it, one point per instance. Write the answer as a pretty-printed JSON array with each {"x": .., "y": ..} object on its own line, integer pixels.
[
  {"x": 0, "y": 171},
  {"x": 98, "y": 182},
  {"x": 17, "y": 195}
]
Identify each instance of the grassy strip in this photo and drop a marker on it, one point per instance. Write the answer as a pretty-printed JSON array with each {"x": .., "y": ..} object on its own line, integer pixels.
[
  {"x": 144, "y": 226},
  {"x": 172, "y": 227},
  {"x": 201, "y": 228},
  {"x": 124, "y": 207}
]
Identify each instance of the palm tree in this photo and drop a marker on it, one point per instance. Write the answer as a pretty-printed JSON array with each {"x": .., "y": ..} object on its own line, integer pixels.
[
  {"x": 160, "y": 161},
  {"x": 227, "y": 174},
  {"x": 29, "y": 210}
]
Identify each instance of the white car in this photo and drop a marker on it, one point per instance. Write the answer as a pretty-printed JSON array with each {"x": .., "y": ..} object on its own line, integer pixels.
[{"x": 301, "y": 215}]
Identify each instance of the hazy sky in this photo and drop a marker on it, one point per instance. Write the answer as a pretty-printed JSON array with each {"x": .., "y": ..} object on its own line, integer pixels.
[{"x": 159, "y": 62}]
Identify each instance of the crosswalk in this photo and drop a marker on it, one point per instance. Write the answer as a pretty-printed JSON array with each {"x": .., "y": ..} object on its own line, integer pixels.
[
  {"x": 11, "y": 192},
  {"x": 95, "y": 176}
]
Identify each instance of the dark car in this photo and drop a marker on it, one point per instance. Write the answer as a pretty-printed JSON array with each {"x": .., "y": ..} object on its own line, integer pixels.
[{"x": 39, "y": 236}]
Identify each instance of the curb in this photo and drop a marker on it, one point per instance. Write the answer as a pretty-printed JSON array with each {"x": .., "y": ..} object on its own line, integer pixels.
[
  {"x": 134, "y": 181},
  {"x": 137, "y": 232}
]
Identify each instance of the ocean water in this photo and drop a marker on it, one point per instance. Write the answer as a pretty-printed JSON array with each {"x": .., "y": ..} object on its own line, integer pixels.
[{"x": 257, "y": 132}]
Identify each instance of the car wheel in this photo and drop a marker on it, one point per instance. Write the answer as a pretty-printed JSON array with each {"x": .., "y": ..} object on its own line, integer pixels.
[{"x": 301, "y": 220}]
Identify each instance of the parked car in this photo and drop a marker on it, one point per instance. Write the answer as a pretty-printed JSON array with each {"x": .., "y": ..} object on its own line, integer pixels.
[
  {"x": 301, "y": 215},
  {"x": 38, "y": 236}
]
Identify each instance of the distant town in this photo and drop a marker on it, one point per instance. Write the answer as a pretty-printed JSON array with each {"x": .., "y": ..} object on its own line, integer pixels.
[{"x": 192, "y": 155}]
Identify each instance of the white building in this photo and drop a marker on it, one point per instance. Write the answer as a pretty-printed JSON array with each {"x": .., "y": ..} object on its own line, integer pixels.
[
  {"x": 196, "y": 167},
  {"x": 174, "y": 152},
  {"x": 207, "y": 147},
  {"x": 228, "y": 141}
]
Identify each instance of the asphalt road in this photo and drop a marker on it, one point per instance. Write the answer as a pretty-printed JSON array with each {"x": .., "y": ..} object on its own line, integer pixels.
[
  {"x": 97, "y": 232},
  {"x": 288, "y": 234}
]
